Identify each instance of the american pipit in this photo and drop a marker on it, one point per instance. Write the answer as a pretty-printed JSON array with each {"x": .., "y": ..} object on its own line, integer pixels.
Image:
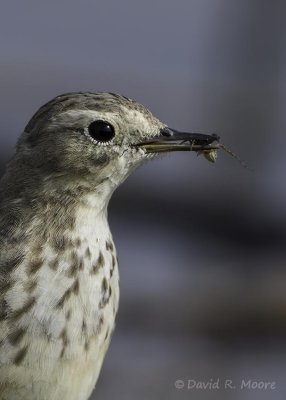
[{"x": 58, "y": 266}]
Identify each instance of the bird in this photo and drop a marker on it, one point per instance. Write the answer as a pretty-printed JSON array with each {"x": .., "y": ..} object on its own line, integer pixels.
[{"x": 59, "y": 280}]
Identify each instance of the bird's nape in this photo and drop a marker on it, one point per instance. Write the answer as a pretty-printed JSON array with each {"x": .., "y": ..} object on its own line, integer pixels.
[{"x": 59, "y": 280}]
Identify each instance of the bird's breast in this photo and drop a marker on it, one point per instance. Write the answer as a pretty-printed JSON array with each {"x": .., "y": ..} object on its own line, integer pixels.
[{"x": 64, "y": 302}]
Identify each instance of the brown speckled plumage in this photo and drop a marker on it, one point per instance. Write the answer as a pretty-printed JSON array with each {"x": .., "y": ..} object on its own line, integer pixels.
[{"x": 58, "y": 265}]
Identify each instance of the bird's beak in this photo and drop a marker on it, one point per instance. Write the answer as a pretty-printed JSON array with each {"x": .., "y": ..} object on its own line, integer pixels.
[{"x": 172, "y": 140}]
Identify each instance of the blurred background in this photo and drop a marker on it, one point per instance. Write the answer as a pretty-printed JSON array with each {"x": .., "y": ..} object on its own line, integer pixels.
[{"x": 201, "y": 246}]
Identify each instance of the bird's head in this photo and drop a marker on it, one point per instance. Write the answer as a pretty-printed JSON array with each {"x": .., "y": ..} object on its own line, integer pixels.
[{"x": 99, "y": 136}]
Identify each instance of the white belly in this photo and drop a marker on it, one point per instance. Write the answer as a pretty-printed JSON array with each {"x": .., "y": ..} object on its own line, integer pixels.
[{"x": 69, "y": 324}]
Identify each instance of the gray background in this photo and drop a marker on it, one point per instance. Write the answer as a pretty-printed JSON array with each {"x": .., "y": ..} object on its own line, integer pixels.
[{"x": 201, "y": 246}]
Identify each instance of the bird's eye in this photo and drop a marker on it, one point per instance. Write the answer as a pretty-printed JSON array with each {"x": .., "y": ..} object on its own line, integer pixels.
[{"x": 101, "y": 131}]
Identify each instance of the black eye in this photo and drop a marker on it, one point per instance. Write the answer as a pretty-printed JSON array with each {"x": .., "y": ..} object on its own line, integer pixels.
[{"x": 101, "y": 131}]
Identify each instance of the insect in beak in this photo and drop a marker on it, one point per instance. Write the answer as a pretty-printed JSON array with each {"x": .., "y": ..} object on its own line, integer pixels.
[{"x": 173, "y": 140}]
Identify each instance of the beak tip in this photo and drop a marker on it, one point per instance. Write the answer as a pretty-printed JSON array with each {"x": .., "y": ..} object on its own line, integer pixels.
[{"x": 216, "y": 137}]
